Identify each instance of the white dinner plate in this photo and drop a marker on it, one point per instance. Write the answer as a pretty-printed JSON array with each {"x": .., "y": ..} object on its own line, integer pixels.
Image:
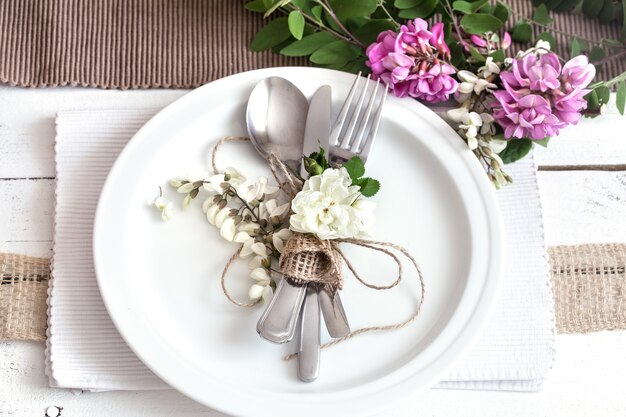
[{"x": 160, "y": 280}]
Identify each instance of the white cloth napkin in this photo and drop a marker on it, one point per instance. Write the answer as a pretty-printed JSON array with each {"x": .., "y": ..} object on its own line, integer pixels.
[{"x": 85, "y": 350}]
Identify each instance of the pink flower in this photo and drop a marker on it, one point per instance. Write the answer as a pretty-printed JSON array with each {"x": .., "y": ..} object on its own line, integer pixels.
[
  {"x": 410, "y": 62},
  {"x": 539, "y": 97},
  {"x": 478, "y": 41},
  {"x": 506, "y": 41}
]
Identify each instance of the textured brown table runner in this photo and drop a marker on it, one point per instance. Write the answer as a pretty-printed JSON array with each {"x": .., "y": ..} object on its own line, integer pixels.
[
  {"x": 589, "y": 288},
  {"x": 164, "y": 43}
]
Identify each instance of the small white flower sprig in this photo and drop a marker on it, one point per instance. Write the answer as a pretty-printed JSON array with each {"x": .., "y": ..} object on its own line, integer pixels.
[{"x": 246, "y": 212}]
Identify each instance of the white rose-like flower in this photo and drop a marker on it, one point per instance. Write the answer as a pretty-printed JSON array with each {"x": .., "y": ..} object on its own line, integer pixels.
[{"x": 325, "y": 207}]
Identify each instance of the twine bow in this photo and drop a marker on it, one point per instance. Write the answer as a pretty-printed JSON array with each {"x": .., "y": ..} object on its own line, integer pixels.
[{"x": 307, "y": 259}]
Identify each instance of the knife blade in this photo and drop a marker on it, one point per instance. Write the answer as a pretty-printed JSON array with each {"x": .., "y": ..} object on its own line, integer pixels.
[{"x": 318, "y": 124}]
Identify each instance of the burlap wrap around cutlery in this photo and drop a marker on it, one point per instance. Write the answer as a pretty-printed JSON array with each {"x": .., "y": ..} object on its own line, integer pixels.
[{"x": 184, "y": 44}]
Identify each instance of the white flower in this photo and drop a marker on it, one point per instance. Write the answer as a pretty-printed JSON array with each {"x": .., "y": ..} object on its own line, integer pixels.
[
  {"x": 261, "y": 258},
  {"x": 467, "y": 76},
  {"x": 270, "y": 209},
  {"x": 497, "y": 145},
  {"x": 228, "y": 229},
  {"x": 489, "y": 68},
  {"x": 221, "y": 216},
  {"x": 165, "y": 206},
  {"x": 255, "y": 190},
  {"x": 249, "y": 227},
  {"x": 185, "y": 188},
  {"x": 482, "y": 85},
  {"x": 280, "y": 238},
  {"x": 325, "y": 207},
  {"x": 543, "y": 47},
  {"x": 231, "y": 176},
  {"x": 262, "y": 286},
  {"x": 487, "y": 124},
  {"x": 211, "y": 213},
  {"x": 469, "y": 127},
  {"x": 457, "y": 115}
]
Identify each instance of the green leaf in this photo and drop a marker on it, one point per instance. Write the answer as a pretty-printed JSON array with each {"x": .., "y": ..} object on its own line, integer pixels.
[
  {"x": 480, "y": 23},
  {"x": 498, "y": 56},
  {"x": 335, "y": 53},
  {"x": 424, "y": 10},
  {"x": 270, "y": 35},
  {"x": 316, "y": 11},
  {"x": 277, "y": 4},
  {"x": 406, "y": 4},
  {"x": 308, "y": 44},
  {"x": 603, "y": 93},
  {"x": 259, "y": 6},
  {"x": 547, "y": 36},
  {"x": 620, "y": 97},
  {"x": 296, "y": 24},
  {"x": 462, "y": 6},
  {"x": 592, "y": 8},
  {"x": 369, "y": 31},
  {"x": 477, "y": 55},
  {"x": 612, "y": 42},
  {"x": 575, "y": 47},
  {"x": 501, "y": 11},
  {"x": 566, "y": 6},
  {"x": 596, "y": 54},
  {"x": 541, "y": 15},
  {"x": 355, "y": 168},
  {"x": 608, "y": 12},
  {"x": 593, "y": 102},
  {"x": 356, "y": 66},
  {"x": 350, "y": 8},
  {"x": 369, "y": 186},
  {"x": 522, "y": 32},
  {"x": 543, "y": 142},
  {"x": 515, "y": 150}
]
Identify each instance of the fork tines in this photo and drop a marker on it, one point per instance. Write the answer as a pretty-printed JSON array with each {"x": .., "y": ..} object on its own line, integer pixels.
[{"x": 357, "y": 135}]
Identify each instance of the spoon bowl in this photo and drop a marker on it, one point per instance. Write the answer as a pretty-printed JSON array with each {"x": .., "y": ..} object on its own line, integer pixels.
[{"x": 276, "y": 117}]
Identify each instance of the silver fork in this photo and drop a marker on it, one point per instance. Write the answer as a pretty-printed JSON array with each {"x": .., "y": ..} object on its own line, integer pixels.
[
  {"x": 357, "y": 136},
  {"x": 347, "y": 140}
]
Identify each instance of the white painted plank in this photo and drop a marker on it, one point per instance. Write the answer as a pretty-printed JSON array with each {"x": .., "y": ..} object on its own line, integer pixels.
[
  {"x": 26, "y": 216},
  {"x": 587, "y": 380},
  {"x": 598, "y": 141},
  {"x": 27, "y": 116},
  {"x": 583, "y": 206},
  {"x": 27, "y": 128}
]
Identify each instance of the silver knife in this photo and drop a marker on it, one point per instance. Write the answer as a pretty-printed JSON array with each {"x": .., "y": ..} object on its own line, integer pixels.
[
  {"x": 318, "y": 123},
  {"x": 316, "y": 135}
]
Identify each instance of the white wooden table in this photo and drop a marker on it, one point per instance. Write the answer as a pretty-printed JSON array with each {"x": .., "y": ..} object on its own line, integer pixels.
[{"x": 583, "y": 190}]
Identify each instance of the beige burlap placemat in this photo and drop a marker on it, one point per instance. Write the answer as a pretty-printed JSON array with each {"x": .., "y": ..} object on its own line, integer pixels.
[
  {"x": 168, "y": 43},
  {"x": 589, "y": 284},
  {"x": 23, "y": 294}
]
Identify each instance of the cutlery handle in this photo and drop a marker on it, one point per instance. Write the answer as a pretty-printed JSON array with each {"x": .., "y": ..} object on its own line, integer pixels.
[
  {"x": 334, "y": 314},
  {"x": 309, "y": 347},
  {"x": 279, "y": 320}
]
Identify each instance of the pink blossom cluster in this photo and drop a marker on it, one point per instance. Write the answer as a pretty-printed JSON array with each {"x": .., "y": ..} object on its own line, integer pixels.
[
  {"x": 411, "y": 62},
  {"x": 540, "y": 97}
]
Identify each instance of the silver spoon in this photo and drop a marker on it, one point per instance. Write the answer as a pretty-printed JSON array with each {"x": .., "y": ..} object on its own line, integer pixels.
[{"x": 276, "y": 118}]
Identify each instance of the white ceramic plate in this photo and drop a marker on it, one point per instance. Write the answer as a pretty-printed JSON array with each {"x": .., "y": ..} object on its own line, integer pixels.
[{"x": 160, "y": 280}]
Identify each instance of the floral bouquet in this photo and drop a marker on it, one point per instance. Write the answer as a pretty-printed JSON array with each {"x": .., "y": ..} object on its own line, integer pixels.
[{"x": 506, "y": 100}]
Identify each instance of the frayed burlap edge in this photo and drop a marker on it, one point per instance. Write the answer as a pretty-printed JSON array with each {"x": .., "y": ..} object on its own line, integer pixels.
[
  {"x": 589, "y": 286},
  {"x": 23, "y": 293},
  {"x": 588, "y": 281}
]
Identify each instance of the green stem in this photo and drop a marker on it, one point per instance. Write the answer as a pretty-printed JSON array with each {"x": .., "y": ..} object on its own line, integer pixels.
[
  {"x": 609, "y": 83},
  {"x": 317, "y": 24},
  {"x": 331, "y": 13},
  {"x": 381, "y": 4}
]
